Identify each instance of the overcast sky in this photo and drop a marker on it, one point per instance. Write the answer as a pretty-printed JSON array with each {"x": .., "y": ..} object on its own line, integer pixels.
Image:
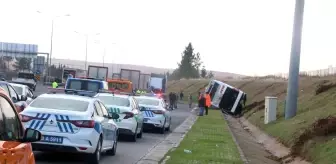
[{"x": 252, "y": 37}]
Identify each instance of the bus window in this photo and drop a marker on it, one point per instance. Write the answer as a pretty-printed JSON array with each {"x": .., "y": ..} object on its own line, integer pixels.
[
  {"x": 213, "y": 90},
  {"x": 118, "y": 85}
]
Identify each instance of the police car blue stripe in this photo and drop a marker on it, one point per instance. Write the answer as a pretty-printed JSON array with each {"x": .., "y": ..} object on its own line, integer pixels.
[
  {"x": 32, "y": 124},
  {"x": 69, "y": 124},
  {"x": 46, "y": 118},
  {"x": 38, "y": 122},
  {"x": 97, "y": 127},
  {"x": 58, "y": 124},
  {"x": 64, "y": 124}
]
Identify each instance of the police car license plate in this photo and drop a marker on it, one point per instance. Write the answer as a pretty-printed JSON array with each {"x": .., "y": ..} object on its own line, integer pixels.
[
  {"x": 52, "y": 139},
  {"x": 146, "y": 119}
]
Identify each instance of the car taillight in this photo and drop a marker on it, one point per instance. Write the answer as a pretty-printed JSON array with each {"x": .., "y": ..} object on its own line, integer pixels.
[
  {"x": 128, "y": 115},
  {"x": 25, "y": 118},
  {"x": 158, "y": 111},
  {"x": 83, "y": 123}
]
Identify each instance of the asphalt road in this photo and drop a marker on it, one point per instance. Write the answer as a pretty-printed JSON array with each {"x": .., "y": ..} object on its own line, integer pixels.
[{"x": 127, "y": 152}]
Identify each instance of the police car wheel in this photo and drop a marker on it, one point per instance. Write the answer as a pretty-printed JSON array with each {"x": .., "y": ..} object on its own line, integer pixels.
[
  {"x": 163, "y": 129},
  {"x": 134, "y": 136},
  {"x": 140, "y": 134},
  {"x": 95, "y": 157},
  {"x": 168, "y": 128}
]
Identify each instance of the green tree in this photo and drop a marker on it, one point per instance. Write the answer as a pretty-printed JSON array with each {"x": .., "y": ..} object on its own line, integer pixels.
[
  {"x": 22, "y": 64},
  {"x": 211, "y": 75},
  {"x": 203, "y": 72},
  {"x": 189, "y": 65}
]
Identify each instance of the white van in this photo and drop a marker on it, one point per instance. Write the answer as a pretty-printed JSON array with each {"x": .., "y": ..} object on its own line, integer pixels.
[{"x": 226, "y": 97}]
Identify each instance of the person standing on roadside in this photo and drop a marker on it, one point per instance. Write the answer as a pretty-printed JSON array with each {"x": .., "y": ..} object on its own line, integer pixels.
[
  {"x": 207, "y": 102},
  {"x": 171, "y": 100},
  {"x": 201, "y": 104},
  {"x": 175, "y": 98},
  {"x": 190, "y": 100},
  {"x": 181, "y": 95}
]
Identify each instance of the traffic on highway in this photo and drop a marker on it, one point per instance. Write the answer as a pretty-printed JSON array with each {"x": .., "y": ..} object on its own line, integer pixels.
[{"x": 86, "y": 121}]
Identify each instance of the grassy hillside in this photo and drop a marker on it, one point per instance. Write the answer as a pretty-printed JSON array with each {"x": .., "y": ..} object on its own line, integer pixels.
[{"x": 310, "y": 134}]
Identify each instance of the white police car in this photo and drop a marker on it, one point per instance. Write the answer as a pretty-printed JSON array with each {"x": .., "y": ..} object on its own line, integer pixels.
[
  {"x": 130, "y": 121},
  {"x": 155, "y": 113},
  {"x": 71, "y": 123}
]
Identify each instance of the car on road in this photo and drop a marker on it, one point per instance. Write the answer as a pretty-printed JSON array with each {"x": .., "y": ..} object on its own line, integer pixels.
[
  {"x": 130, "y": 120},
  {"x": 26, "y": 78},
  {"x": 23, "y": 91},
  {"x": 72, "y": 123},
  {"x": 156, "y": 116},
  {"x": 18, "y": 100},
  {"x": 15, "y": 140}
]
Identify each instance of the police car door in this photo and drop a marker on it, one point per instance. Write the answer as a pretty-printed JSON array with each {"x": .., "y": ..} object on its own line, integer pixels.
[
  {"x": 103, "y": 121},
  {"x": 110, "y": 133},
  {"x": 137, "y": 113},
  {"x": 166, "y": 113}
]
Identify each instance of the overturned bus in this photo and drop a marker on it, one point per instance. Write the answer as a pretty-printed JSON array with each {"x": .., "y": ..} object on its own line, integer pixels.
[{"x": 227, "y": 98}]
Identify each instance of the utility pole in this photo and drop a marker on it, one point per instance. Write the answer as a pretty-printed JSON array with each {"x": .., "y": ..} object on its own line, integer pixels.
[
  {"x": 104, "y": 56},
  {"x": 51, "y": 45},
  {"x": 294, "y": 67},
  {"x": 86, "y": 50}
]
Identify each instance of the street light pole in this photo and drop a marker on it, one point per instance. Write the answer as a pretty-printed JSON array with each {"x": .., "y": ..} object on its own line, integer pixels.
[
  {"x": 51, "y": 39},
  {"x": 104, "y": 56},
  {"x": 51, "y": 44},
  {"x": 86, "y": 50},
  {"x": 294, "y": 67}
]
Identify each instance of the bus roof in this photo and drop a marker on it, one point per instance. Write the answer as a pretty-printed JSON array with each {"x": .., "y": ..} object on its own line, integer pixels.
[{"x": 118, "y": 80}]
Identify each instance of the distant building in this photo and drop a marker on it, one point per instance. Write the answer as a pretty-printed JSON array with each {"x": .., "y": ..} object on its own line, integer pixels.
[{"x": 10, "y": 52}]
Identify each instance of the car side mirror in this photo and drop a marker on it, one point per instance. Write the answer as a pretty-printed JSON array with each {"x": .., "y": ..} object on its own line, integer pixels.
[
  {"x": 113, "y": 116},
  {"x": 31, "y": 135},
  {"x": 142, "y": 108},
  {"x": 14, "y": 99},
  {"x": 23, "y": 98}
]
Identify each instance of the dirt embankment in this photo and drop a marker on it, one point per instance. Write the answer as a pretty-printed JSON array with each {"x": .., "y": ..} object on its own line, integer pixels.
[{"x": 310, "y": 133}]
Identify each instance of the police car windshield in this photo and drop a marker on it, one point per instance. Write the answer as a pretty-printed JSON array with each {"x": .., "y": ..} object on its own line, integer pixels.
[
  {"x": 112, "y": 100},
  {"x": 18, "y": 90},
  {"x": 151, "y": 102},
  {"x": 60, "y": 104}
]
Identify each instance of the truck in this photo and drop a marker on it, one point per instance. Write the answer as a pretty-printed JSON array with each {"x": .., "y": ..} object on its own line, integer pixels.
[
  {"x": 97, "y": 72},
  {"x": 131, "y": 75},
  {"x": 158, "y": 83},
  {"x": 72, "y": 72},
  {"x": 68, "y": 72},
  {"x": 26, "y": 78},
  {"x": 144, "y": 81}
]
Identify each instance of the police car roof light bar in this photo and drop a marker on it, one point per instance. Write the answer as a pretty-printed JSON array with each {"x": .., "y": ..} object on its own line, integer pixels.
[
  {"x": 115, "y": 92},
  {"x": 80, "y": 92}
]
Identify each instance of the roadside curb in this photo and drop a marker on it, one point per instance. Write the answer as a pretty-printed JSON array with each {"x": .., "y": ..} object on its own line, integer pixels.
[
  {"x": 159, "y": 150},
  {"x": 241, "y": 153}
]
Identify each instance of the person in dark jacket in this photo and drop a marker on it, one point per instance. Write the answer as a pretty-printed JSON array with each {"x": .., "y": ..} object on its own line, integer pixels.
[
  {"x": 171, "y": 98},
  {"x": 201, "y": 104},
  {"x": 181, "y": 95}
]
